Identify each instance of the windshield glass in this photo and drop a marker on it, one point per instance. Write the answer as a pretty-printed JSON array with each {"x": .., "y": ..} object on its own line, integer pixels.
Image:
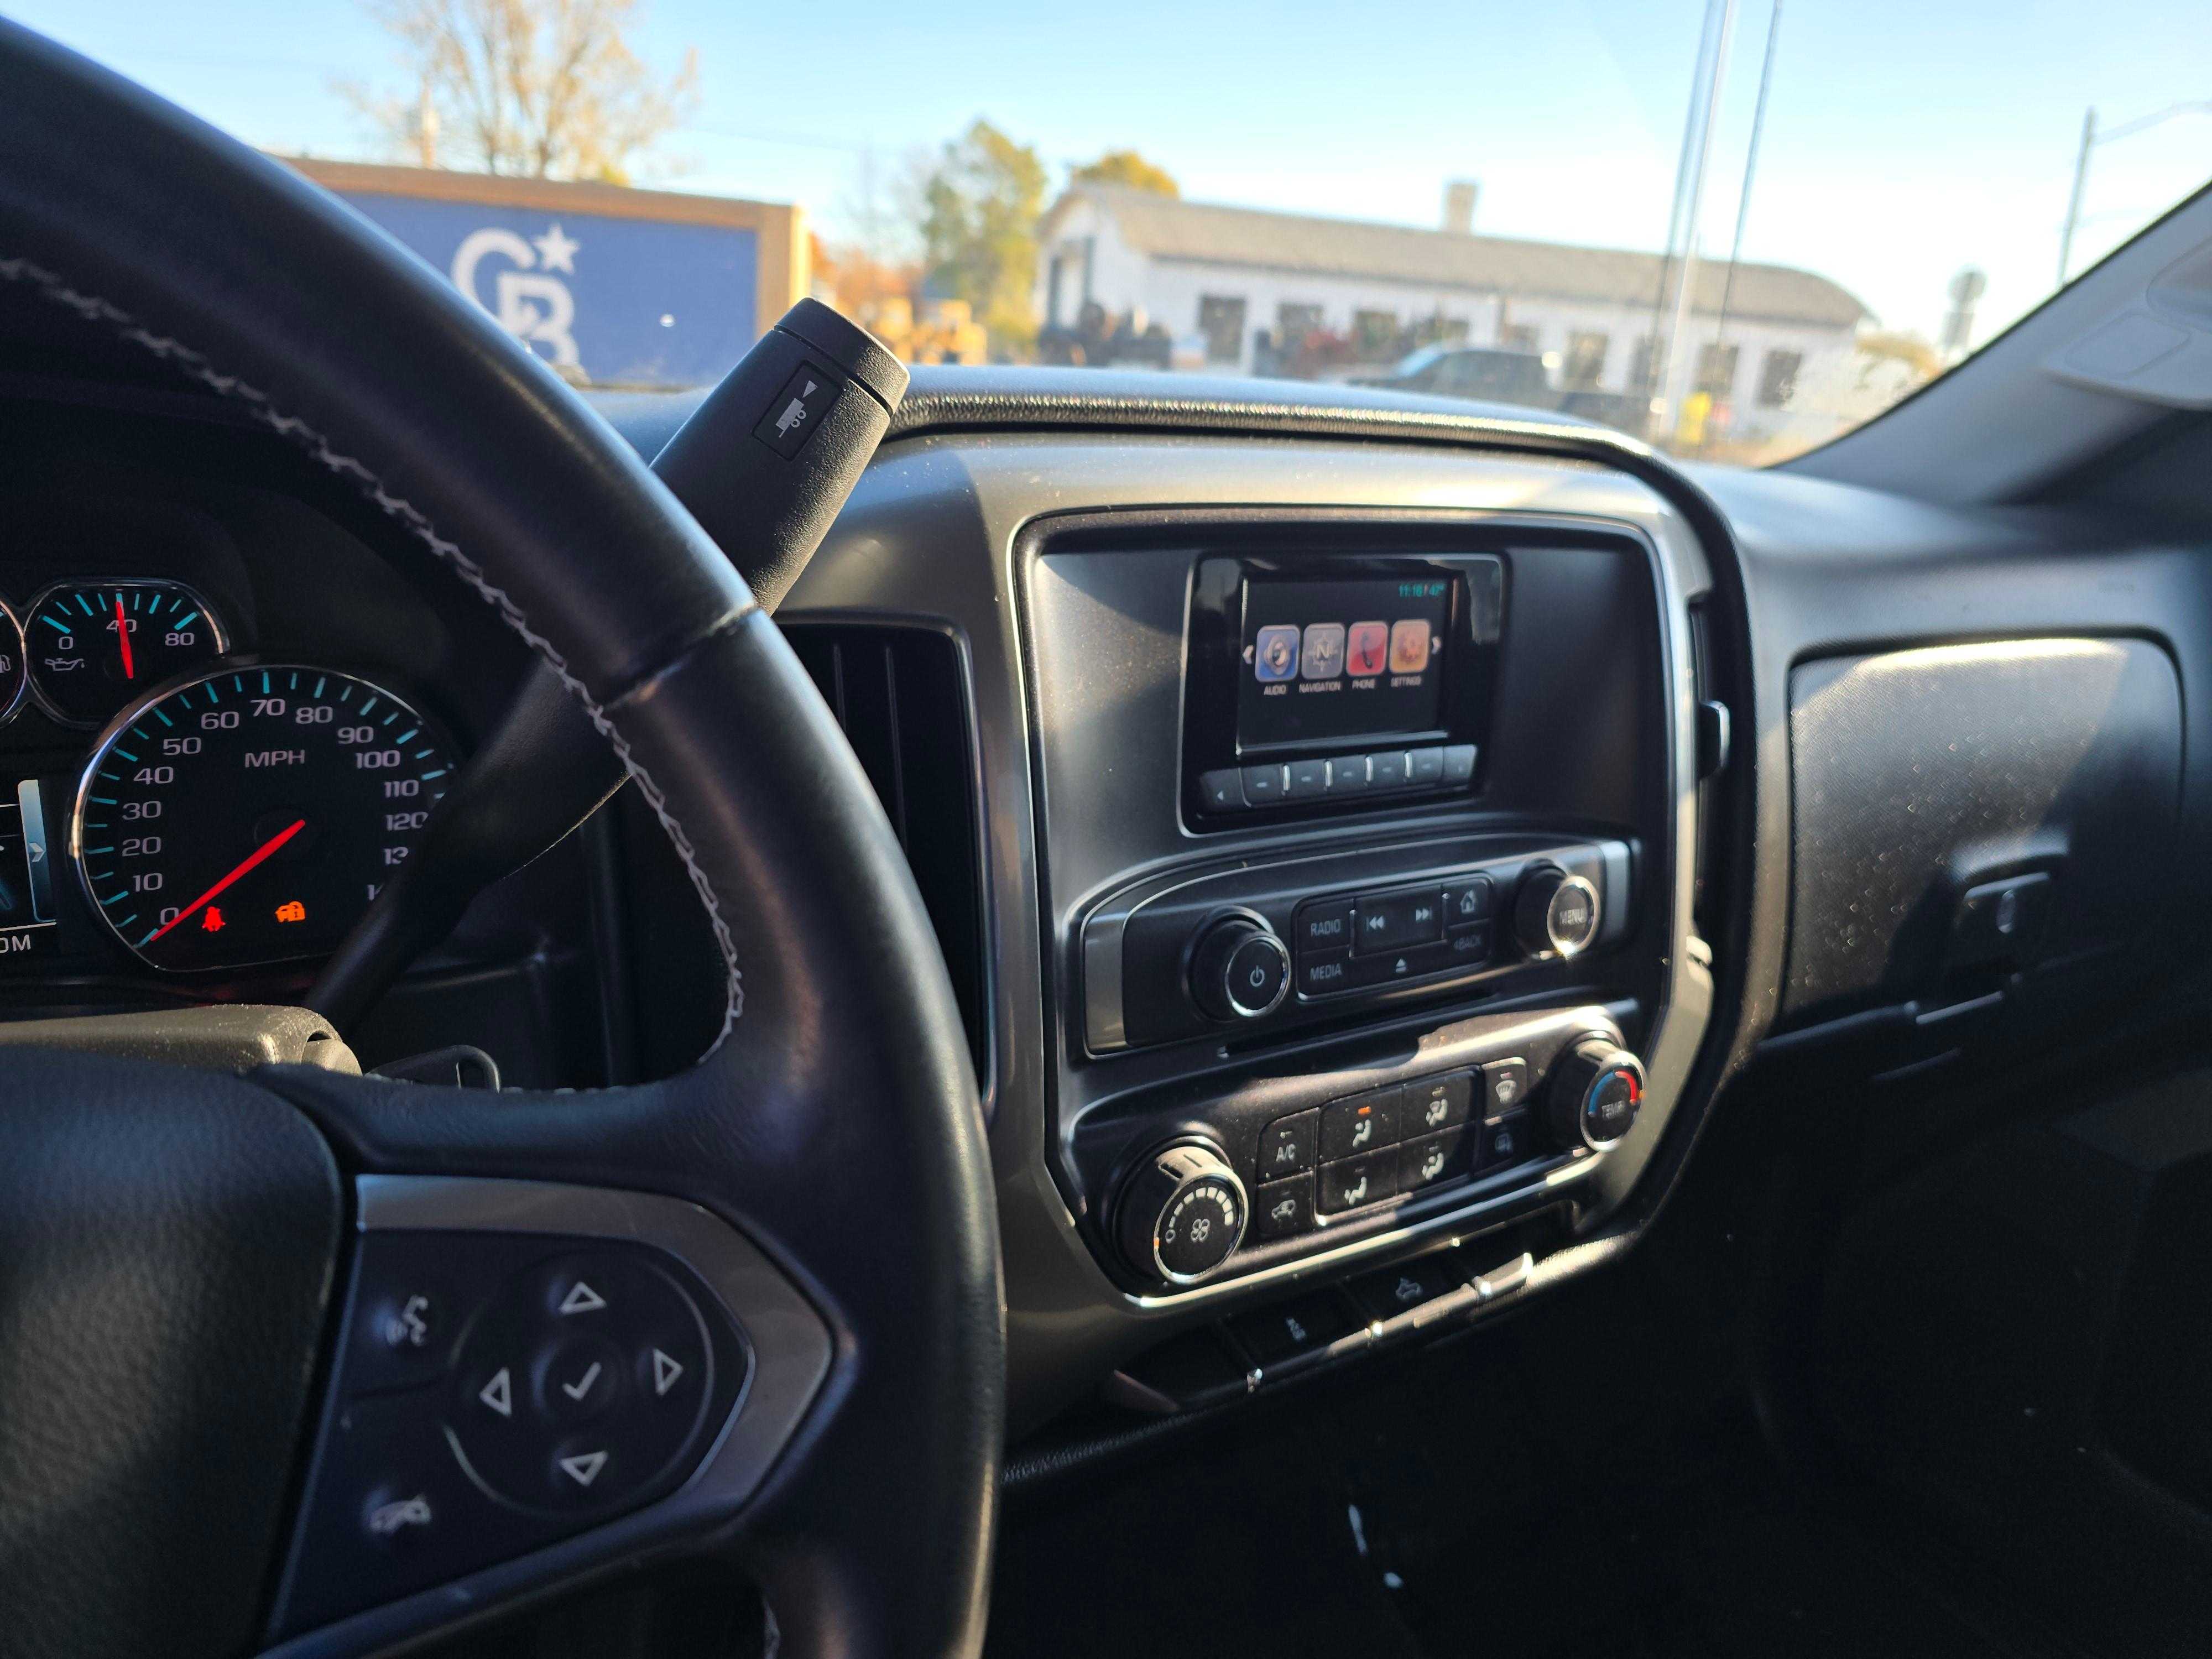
[{"x": 1735, "y": 227}]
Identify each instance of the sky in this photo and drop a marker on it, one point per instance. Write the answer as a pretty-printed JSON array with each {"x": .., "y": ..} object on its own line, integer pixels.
[{"x": 1904, "y": 139}]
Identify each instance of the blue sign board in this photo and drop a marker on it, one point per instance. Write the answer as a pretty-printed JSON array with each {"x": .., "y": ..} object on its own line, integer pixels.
[{"x": 616, "y": 301}]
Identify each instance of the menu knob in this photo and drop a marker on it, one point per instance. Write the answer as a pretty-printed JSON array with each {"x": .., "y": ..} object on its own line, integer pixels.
[{"x": 1555, "y": 916}]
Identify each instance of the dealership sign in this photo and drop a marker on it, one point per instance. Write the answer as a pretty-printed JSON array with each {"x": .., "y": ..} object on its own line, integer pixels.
[{"x": 667, "y": 290}]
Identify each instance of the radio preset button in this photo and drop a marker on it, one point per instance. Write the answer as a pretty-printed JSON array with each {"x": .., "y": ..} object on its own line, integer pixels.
[
  {"x": 1308, "y": 779},
  {"x": 1425, "y": 767},
  {"x": 1347, "y": 774},
  {"x": 1263, "y": 786},
  {"x": 1387, "y": 768},
  {"x": 1363, "y": 1123}
]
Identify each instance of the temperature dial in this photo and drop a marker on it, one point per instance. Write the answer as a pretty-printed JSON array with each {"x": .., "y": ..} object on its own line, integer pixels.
[
  {"x": 1596, "y": 1090},
  {"x": 94, "y": 647},
  {"x": 1181, "y": 1214}
]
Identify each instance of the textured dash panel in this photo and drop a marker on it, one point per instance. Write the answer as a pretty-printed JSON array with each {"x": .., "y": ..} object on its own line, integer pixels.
[{"x": 1917, "y": 772}]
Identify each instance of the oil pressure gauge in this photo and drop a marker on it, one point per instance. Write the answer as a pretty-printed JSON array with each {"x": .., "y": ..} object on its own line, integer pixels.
[{"x": 95, "y": 646}]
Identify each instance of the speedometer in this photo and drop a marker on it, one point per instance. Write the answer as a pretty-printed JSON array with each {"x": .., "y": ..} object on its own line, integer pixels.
[{"x": 249, "y": 816}]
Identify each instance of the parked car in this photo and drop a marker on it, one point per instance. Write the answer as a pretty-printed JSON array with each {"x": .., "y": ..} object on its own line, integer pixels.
[{"x": 1482, "y": 372}]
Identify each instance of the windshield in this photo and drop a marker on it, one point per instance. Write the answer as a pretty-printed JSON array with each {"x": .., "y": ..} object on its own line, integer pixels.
[{"x": 1736, "y": 229}]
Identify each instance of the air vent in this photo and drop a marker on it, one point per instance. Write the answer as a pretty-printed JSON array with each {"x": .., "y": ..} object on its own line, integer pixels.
[{"x": 899, "y": 693}]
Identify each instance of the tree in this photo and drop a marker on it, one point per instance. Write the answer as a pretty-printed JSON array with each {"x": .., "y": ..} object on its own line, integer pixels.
[
  {"x": 980, "y": 205},
  {"x": 1125, "y": 166},
  {"x": 544, "y": 88}
]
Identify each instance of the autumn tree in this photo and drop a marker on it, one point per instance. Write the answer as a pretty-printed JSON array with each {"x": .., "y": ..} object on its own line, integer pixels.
[
  {"x": 544, "y": 89},
  {"x": 1125, "y": 167},
  {"x": 979, "y": 204}
]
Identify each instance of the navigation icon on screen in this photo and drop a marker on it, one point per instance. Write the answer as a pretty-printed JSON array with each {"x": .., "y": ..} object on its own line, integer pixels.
[{"x": 1323, "y": 659}]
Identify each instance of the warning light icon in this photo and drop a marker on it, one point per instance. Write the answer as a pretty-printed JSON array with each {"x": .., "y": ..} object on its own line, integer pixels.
[
  {"x": 211, "y": 919},
  {"x": 291, "y": 910}
]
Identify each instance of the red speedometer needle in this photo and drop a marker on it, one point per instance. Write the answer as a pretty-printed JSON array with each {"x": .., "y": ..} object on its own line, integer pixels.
[
  {"x": 123, "y": 634},
  {"x": 253, "y": 859}
]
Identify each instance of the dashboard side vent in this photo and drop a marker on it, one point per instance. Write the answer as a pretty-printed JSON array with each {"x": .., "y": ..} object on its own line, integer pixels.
[{"x": 900, "y": 697}]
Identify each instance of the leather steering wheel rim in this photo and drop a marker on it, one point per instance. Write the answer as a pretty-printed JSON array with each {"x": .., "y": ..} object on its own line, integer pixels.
[{"x": 836, "y": 1123}]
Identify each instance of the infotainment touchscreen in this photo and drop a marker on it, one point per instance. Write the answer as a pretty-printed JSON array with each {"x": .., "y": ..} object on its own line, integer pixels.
[{"x": 1332, "y": 660}]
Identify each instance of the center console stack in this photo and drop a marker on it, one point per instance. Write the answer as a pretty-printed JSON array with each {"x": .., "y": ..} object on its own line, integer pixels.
[{"x": 1360, "y": 846}]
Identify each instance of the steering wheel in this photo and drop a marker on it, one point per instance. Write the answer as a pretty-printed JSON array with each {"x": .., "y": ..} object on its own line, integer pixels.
[{"x": 191, "y": 1343}]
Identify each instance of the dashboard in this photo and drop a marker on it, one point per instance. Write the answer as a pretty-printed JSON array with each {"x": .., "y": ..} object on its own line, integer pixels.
[{"x": 1360, "y": 849}]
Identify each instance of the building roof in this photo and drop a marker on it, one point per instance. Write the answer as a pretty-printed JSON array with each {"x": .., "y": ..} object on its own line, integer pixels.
[{"x": 1203, "y": 232}]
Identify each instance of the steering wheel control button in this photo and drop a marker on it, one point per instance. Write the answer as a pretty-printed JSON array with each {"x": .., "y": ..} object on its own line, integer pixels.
[
  {"x": 791, "y": 418},
  {"x": 597, "y": 1344},
  {"x": 1363, "y": 1123},
  {"x": 1181, "y": 1213},
  {"x": 578, "y": 1297},
  {"x": 1595, "y": 1092},
  {"x": 389, "y": 1512},
  {"x": 1555, "y": 916},
  {"x": 498, "y": 1395},
  {"x": 578, "y": 1380}
]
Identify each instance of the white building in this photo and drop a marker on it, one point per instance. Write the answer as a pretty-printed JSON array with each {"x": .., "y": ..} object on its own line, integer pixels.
[{"x": 1235, "y": 281}]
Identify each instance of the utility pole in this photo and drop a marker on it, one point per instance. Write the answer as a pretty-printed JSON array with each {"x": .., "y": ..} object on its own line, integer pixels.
[
  {"x": 1750, "y": 165},
  {"x": 1700, "y": 132},
  {"x": 1655, "y": 358},
  {"x": 2090, "y": 139},
  {"x": 2074, "y": 201}
]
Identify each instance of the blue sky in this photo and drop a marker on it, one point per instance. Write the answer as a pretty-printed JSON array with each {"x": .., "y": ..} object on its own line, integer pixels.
[{"x": 1905, "y": 139}]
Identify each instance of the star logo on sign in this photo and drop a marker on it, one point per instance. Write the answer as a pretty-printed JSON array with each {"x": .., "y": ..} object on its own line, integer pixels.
[{"x": 557, "y": 252}]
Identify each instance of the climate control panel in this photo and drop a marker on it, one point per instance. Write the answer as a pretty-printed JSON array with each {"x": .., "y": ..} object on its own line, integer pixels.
[{"x": 1299, "y": 1165}]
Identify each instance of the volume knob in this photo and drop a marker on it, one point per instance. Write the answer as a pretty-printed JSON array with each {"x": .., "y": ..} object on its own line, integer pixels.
[{"x": 1238, "y": 970}]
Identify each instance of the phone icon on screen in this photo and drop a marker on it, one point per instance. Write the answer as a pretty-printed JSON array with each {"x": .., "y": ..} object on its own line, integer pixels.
[
  {"x": 1409, "y": 646},
  {"x": 1367, "y": 648},
  {"x": 1275, "y": 655}
]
